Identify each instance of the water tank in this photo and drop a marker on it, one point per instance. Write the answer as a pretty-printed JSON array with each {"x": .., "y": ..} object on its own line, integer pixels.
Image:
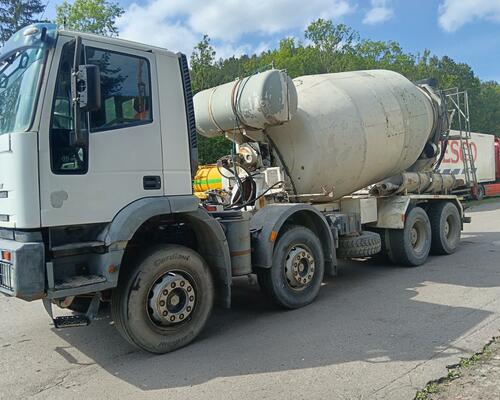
[{"x": 253, "y": 103}]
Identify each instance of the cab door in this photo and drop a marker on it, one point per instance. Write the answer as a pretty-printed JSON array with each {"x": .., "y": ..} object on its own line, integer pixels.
[{"x": 122, "y": 161}]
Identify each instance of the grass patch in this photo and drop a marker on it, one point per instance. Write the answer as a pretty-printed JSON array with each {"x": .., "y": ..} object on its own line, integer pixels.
[{"x": 455, "y": 370}]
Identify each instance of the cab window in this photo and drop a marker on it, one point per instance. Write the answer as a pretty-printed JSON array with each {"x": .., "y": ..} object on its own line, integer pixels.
[
  {"x": 65, "y": 157},
  {"x": 125, "y": 90}
]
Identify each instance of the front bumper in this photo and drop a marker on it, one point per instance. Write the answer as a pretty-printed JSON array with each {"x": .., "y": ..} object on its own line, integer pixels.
[{"x": 24, "y": 275}]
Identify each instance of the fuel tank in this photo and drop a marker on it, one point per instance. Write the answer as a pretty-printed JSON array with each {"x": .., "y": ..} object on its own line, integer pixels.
[{"x": 353, "y": 129}]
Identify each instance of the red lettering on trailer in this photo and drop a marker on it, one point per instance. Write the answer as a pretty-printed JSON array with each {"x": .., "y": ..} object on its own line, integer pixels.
[{"x": 456, "y": 152}]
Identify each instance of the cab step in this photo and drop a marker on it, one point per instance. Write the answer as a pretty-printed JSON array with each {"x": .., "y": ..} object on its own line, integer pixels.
[{"x": 71, "y": 321}]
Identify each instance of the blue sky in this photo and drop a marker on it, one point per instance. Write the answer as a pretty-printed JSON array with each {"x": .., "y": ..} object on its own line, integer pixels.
[{"x": 466, "y": 30}]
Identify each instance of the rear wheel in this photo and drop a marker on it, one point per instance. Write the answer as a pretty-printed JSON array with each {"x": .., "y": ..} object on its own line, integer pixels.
[
  {"x": 164, "y": 302},
  {"x": 294, "y": 280},
  {"x": 480, "y": 192},
  {"x": 410, "y": 246},
  {"x": 446, "y": 228}
]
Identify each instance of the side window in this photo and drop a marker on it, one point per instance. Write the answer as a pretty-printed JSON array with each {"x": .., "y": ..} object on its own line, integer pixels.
[
  {"x": 125, "y": 90},
  {"x": 65, "y": 158}
]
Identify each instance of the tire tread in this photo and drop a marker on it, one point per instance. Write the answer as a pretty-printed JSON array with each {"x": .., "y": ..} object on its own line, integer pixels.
[{"x": 365, "y": 245}]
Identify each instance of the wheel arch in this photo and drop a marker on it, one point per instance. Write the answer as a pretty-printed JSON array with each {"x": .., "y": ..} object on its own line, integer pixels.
[
  {"x": 267, "y": 224},
  {"x": 211, "y": 241}
]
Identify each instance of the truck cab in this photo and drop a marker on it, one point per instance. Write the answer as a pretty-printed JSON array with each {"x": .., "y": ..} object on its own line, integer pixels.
[{"x": 49, "y": 180}]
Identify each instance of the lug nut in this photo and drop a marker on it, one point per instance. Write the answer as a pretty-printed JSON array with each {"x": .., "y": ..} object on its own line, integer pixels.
[
  {"x": 188, "y": 288},
  {"x": 181, "y": 316},
  {"x": 165, "y": 313},
  {"x": 172, "y": 285},
  {"x": 162, "y": 303},
  {"x": 183, "y": 283},
  {"x": 165, "y": 292},
  {"x": 191, "y": 298},
  {"x": 172, "y": 318},
  {"x": 188, "y": 308}
]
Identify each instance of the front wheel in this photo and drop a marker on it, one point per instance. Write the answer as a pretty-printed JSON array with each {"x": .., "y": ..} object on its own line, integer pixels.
[
  {"x": 294, "y": 280},
  {"x": 164, "y": 302}
]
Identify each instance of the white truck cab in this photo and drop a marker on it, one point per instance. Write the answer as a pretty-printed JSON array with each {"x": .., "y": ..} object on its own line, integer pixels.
[{"x": 122, "y": 154}]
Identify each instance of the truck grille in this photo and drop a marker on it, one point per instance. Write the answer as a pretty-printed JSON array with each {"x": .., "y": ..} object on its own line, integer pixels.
[{"x": 6, "y": 276}]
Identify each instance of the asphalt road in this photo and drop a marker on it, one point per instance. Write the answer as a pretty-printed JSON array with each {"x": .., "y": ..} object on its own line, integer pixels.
[{"x": 376, "y": 331}]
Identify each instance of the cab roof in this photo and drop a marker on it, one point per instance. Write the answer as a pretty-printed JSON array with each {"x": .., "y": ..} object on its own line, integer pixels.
[{"x": 117, "y": 42}]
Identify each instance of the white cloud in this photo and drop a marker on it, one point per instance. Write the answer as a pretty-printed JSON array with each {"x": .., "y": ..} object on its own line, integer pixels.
[
  {"x": 380, "y": 12},
  {"x": 180, "y": 24},
  {"x": 453, "y": 14}
]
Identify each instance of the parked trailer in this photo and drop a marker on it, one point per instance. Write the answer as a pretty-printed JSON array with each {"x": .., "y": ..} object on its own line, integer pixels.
[
  {"x": 486, "y": 153},
  {"x": 97, "y": 168}
]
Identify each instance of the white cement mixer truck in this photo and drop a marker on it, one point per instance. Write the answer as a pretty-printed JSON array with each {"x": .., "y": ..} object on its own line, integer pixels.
[{"x": 98, "y": 152}]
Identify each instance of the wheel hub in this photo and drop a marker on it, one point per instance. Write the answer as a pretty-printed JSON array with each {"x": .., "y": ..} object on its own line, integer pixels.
[
  {"x": 171, "y": 299},
  {"x": 299, "y": 267},
  {"x": 447, "y": 228},
  {"x": 414, "y": 236}
]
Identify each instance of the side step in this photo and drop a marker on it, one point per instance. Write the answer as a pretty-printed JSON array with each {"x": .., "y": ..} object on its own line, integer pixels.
[{"x": 72, "y": 321}]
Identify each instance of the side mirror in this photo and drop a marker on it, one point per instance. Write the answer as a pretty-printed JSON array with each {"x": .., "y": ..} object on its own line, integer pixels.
[{"x": 88, "y": 87}]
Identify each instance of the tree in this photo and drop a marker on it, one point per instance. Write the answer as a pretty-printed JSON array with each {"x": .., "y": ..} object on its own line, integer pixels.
[
  {"x": 332, "y": 43},
  {"x": 16, "y": 14},
  {"x": 94, "y": 16},
  {"x": 202, "y": 65},
  {"x": 204, "y": 76}
]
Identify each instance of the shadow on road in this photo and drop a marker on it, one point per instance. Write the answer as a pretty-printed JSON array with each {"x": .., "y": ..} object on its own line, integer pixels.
[{"x": 368, "y": 313}]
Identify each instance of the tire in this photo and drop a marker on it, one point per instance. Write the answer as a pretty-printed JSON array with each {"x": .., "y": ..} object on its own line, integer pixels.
[
  {"x": 174, "y": 280},
  {"x": 480, "y": 193},
  {"x": 298, "y": 255},
  {"x": 411, "y": 246},
  {"x": 382, "y": 257},
  {"x": 365, "y": 245},
  {"x": 446, "y": 228}
]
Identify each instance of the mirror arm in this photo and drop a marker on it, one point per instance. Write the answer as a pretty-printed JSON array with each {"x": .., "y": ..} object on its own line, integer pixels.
[{"x": 76, "y": 137}]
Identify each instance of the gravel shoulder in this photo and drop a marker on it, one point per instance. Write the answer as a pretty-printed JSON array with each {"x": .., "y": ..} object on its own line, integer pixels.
[{"x": 477, "y": 377}]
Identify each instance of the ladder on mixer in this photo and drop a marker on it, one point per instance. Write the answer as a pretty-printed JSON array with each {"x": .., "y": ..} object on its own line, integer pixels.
[{"x": 458, "y": 106}]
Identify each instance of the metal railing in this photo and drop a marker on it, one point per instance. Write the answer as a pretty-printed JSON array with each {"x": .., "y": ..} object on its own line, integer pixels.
[{"x": 458, "y": 109}]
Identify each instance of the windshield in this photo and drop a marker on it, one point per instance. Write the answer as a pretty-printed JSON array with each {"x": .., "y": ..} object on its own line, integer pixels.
[
  {"x": 21, "y": 64},
  {"x": 19, "y": 77}
]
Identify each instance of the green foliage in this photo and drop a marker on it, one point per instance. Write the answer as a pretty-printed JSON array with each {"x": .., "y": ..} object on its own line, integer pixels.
[
  {"x": 203, "y": 76},
  {"x": 94, "y": 16},
  {"x": 16, "y": 14},
  {"x": 335, "y": 48}
]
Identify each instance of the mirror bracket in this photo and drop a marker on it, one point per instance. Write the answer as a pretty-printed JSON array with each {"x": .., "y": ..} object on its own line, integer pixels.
[{"x": 85, "y": 92}]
